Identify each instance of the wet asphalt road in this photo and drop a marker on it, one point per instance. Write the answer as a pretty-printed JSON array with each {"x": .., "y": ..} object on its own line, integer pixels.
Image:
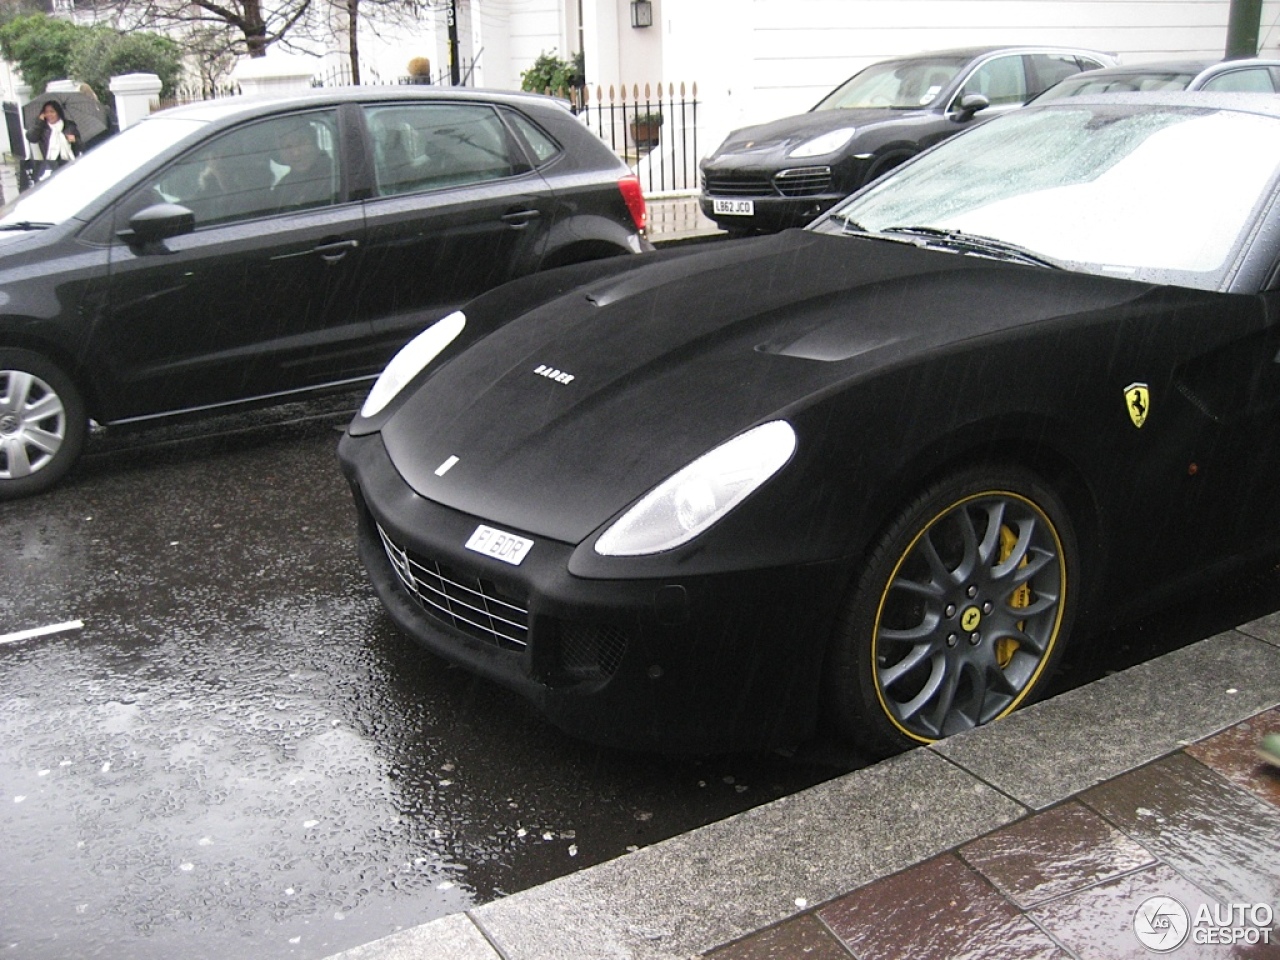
[{"x": 238, "y": 755}]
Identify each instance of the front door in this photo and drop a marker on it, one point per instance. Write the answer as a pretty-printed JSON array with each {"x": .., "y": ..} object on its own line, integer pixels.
[{"x": 256, "y": 301}]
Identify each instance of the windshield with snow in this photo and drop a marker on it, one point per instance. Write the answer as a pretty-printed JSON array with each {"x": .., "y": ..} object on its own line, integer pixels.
[{"x": 1165, "y": 195}]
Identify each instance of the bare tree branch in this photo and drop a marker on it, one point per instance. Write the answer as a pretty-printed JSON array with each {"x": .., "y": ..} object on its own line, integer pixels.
[{"x": 255, "y": 24}]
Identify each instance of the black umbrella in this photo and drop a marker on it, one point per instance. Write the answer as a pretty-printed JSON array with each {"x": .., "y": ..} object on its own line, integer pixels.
[{"x": 82, "y": 109}]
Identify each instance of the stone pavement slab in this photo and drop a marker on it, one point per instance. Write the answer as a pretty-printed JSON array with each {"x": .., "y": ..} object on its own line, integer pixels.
[
  {"x": 454, "y": 937},
  {"x": 1100, "y": 730},
  {"x": 722, "y": 881}
]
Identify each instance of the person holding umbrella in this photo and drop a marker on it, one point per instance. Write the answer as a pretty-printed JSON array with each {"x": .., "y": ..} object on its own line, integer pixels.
[{"x": 57, "y": 137}]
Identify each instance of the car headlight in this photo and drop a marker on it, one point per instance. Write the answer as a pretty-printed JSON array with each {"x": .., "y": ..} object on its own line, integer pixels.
[
  {"x": 827, "y": 143},
  {"x": 691, "y": 500},
  {"x": 412, "y": 360}
]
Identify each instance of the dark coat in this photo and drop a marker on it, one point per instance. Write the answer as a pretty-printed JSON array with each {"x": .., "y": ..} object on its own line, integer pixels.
[{"x": 39, "y": 134}]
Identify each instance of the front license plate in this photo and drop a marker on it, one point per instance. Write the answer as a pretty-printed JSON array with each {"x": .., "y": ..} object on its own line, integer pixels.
[
  {"x": 499, "y": 544},
  {"x": 734, "y": 208}
]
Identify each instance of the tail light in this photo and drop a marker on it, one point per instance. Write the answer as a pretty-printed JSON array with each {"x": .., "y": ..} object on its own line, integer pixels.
[{"x": 634, "y": 197}]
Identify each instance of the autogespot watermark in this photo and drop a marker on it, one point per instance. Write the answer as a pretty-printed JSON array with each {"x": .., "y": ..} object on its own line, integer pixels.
[{"x": 1162, "y": 924}]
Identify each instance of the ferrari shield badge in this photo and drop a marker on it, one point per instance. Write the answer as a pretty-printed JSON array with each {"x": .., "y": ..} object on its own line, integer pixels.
[{"x": 1138, "y": 401}]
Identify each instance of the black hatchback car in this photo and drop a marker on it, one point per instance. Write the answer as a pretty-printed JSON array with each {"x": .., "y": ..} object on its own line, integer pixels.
[
  {"x": 785, "y": 173},
  {"x": 246, "y": 251}
]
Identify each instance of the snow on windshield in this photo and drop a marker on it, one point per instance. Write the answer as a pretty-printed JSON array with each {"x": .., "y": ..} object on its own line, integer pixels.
[{"x": 1147, "y": 194}]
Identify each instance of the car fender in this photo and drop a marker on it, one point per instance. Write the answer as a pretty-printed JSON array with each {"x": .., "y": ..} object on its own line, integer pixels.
[
  {"x": 586, "y": 238},
  {"x": 31, "y": 333},
  {"x": 885, "y": 160},
  {"x": 886, "y": 140},
  {"x": 1034, "y": 440}
]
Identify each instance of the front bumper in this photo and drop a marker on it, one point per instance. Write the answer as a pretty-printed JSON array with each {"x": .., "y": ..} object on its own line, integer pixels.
[
  {"x": 783, "y": 193},
  {"x": 715, "y": 663},
  {"x": 771, "y": 213}
]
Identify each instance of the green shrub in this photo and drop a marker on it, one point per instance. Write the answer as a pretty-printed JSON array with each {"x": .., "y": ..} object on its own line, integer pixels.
[{"x": 551, "y": 74}]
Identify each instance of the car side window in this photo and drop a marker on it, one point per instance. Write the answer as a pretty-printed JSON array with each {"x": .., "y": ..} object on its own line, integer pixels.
[
  {"x": 1046, "y": 69},
  {"x": 263, "y": 168},
  {"x": 543, "y": 147},
  {"x": 433, "y": 145},
  {"x": 1250, "y": 80},
  {"x": 304, "y": 161},
  {"x": 1001, "y": 81}
]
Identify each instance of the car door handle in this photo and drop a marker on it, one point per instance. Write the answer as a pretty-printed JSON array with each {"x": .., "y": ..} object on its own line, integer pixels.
[
  {"x": 520, "y": 218},
  {"x": 330, "y": 252},
  {"x": 333, "y": 252}
]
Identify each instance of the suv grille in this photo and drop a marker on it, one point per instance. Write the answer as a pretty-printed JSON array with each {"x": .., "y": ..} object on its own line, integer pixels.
[
  {"x": 798, "y": 182},
  {"x": 804, "y": 181},
  {"x": 470, "y": 604},
  {"x": 720, "y": 185}
]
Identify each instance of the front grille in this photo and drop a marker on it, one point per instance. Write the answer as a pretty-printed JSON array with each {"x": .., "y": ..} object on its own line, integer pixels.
[
  {"x": 728, "y": 185},
  {"x": 803, "y": 181},
  {"x": 591, "y": 651},
  {"x": 474, "y": 606}
]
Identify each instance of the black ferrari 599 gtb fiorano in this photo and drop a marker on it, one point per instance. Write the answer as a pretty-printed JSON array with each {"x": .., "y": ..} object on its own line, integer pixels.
[{"x": 876, "y": 473}]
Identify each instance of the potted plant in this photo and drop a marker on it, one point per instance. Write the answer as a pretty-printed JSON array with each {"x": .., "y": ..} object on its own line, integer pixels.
[
  {"x": 645, "y": 128},
  {"x": 419, "y": 70}
]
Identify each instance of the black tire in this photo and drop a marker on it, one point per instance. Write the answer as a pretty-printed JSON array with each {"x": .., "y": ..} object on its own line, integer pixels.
[
  {"x": 960, "y": 614},
  {"x": 42, "y": 424}
]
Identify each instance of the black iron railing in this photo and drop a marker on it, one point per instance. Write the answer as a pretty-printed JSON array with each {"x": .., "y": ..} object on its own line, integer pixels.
[{"x": 654, "y": 128}]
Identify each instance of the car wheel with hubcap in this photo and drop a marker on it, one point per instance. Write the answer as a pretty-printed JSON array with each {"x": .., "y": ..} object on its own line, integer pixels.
[
  {"x": 42, "y": 423},
  {"x": 959, "y": 616}
]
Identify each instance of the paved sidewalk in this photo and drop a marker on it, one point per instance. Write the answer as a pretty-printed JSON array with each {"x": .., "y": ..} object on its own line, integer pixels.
[
  {"x": 679, "y": 220},
  {"x": 1040, "y": 836}
]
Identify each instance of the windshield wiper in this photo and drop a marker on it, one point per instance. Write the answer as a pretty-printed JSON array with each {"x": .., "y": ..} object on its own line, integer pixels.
[
  {"x": 976, "y": 243},
  {"x": 852, "y": 228},
  {"x": 26, "y": 225}
]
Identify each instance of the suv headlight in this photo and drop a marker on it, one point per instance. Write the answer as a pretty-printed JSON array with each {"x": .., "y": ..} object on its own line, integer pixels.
[
  {"x": 824, "y": 144},
  {"x": 691, "y": 500}
]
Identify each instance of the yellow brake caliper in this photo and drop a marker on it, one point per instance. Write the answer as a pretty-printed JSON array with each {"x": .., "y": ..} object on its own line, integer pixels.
[{"x": 1006, "y": 647}]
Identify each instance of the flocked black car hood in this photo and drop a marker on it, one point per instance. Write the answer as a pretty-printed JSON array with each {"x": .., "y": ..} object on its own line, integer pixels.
[{"x": 572, "y": 411}]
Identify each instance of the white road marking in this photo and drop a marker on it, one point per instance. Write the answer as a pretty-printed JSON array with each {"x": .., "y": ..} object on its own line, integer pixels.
[{"x": 42, "y": 631}]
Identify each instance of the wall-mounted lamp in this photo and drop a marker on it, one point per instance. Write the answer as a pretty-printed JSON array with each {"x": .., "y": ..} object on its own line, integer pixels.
[{"x": 642, "y": 13}]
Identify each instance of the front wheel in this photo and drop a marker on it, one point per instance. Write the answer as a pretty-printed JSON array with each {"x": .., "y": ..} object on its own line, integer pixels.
[
  {"x": 42, "y": 424},
  {"x": 959, "y": 615}
]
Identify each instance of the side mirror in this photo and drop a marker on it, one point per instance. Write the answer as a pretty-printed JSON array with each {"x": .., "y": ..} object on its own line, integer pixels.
[
  {"x": 157, "y": 223},
  {"x": 970, "y": 104}
]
